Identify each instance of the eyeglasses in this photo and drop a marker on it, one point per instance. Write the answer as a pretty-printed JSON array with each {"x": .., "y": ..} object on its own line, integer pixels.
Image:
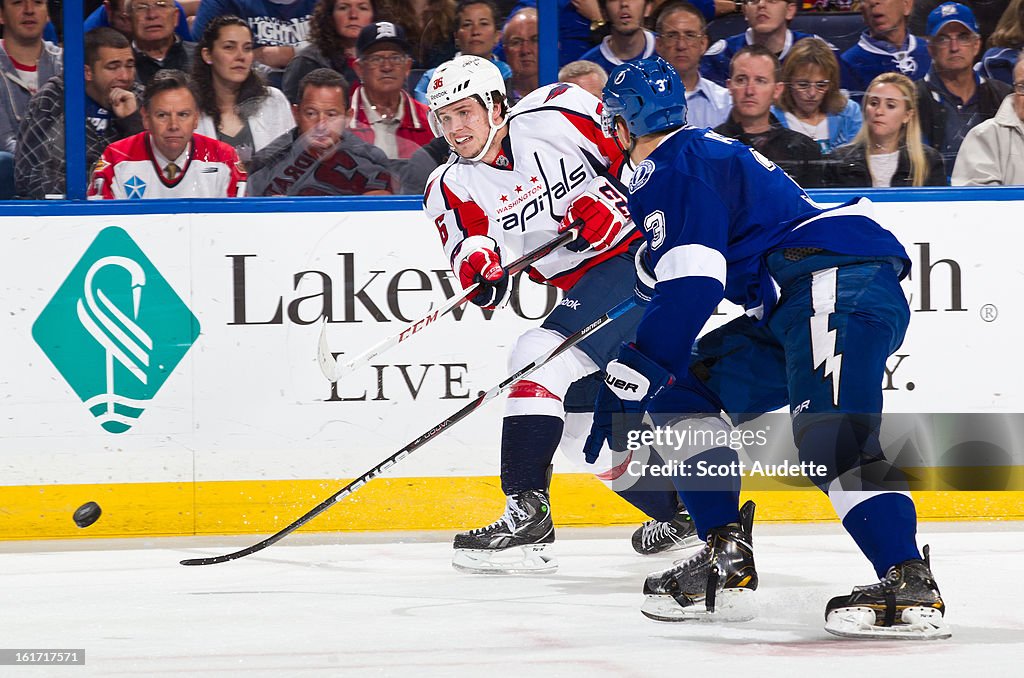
[
  {"x": 158, "y": 5},
  {"x": 768, "y": 2},
  {"x": 517, "y": 43},
  {"x": 804, "y": 85},
  {"x": 945, "y": 40},
  {"x": 376, "y": 61},
  {"x": 689, "y": 37},
  {"x": 1018, "y": 88}
]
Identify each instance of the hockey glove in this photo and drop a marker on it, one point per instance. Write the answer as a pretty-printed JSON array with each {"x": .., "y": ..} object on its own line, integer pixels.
[
  {"x": 603, "y": 209},
  {"x": 643, "y": 287},
  {"x": 479, "y": 262},
  {"x": 630, "y": 383}
]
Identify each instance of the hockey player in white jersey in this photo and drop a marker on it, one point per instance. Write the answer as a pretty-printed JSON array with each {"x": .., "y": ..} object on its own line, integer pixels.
[{"x": 517, "y": 178}]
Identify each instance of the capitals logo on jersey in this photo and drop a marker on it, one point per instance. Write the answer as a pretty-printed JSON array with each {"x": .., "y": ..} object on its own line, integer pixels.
[{"x": 537, "y": 200}]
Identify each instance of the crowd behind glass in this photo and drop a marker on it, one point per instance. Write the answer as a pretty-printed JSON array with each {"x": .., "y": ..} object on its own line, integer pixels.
[{"x": 215, "y": 98}]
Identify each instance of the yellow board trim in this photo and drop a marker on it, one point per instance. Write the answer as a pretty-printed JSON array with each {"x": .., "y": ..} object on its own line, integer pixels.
[{"x": 261, "y": 507}]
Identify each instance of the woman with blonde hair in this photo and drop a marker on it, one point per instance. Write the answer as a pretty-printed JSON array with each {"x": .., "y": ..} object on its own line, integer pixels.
[
  {"x": 1005, "y": 43},
  {"x": 888, "y": 150},
  {"x": 812, "y": 102}
]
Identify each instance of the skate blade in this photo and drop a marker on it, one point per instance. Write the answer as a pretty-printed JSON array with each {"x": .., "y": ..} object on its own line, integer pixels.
[
  {"x": 918, "y": 623},
  {"x": 530, "y": 559},
  {"x": 731, "y": 605}
]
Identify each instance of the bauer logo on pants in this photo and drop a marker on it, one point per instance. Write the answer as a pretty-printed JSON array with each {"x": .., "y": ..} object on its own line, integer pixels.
[{"x": 115, "y": 330}]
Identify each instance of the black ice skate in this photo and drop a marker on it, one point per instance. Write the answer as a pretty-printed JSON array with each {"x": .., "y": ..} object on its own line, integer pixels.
[
  {"x": 906, "y": 603},
  {"x": 655, "y": 537},
  {"x": 716, "y": 584},
  {"x": 515, "y": 543}
]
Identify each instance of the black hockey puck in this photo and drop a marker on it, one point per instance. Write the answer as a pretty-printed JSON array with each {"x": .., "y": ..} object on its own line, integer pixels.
[{"x": 87, "y": 514}]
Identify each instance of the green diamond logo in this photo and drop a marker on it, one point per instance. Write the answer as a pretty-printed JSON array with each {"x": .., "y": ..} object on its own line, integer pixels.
[{"x": 115, "y": 330}]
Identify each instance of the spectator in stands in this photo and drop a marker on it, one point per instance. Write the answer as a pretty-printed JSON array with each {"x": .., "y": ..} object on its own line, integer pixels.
[
  {"x": 952, "y": 98},
  {"x": 317, "y": 157},
  {"x": 279, "y": 29},
  {"x": 429, "y": 24},
  {"x": 476, "y": 33},
  {"x": 113, "y": 13},
  {"x": 586, "y": 74},
  {"x": 754, "y": 83},
  {"x": 993, "y": 152},
  {"x": 168, "y": 160},
  {"x": 383, "y": 113},
  {"x": 812, "y": 102},
  {"x": 235, "y": 106},
  {"x": 155, "y": 45},
  {"x": 334, "y": 29},
  {"x": 578, "y": 22},
  {"x": 1005, "y": 43},
  {"x": 682, "y": 39},
  {"x": 26, "y": 62},
  {"x": 886, "y": 45},
  {"x": 627, "y": 40},
  {"x": 768, "y": 25},
  {"x": 888, "y": 150},
  {"x": 520, "y": 38},
  {"x": 987, "y": 12},
  {"x": 111, "y": 110}
]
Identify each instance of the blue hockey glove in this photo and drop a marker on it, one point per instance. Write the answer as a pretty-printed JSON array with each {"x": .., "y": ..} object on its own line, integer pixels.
[{"x": 630, "y": 383}]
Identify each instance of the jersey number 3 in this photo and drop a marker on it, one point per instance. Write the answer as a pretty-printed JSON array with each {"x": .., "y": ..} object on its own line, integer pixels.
[{"x": 655, "y": 225}]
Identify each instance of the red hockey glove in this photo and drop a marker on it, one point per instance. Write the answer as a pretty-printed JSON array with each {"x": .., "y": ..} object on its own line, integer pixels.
[
  {"x": 603, "y": 209},
  {"x": 479, "y": 262}
]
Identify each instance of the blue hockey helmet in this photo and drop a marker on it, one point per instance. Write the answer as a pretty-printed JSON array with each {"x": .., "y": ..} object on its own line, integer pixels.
[{"x": 647, "y": 94}]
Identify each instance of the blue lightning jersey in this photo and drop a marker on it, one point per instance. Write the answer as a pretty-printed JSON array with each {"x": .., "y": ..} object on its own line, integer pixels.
[{"x": 711, "y": 210}]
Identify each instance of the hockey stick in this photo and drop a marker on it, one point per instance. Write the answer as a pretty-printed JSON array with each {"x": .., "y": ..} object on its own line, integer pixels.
[
  {"x": 383, "y": 466},
  {"x": 329, "y": 365}
]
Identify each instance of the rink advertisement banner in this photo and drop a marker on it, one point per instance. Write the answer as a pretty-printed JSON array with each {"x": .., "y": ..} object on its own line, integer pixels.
[{"x": 179, "y": 349}]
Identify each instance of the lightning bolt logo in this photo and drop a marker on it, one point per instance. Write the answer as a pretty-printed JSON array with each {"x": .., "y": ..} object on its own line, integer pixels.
[{"x": 823, "y": 340}]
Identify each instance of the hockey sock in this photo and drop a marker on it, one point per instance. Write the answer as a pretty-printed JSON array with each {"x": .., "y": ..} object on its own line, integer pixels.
[
  {"x": 712, "y": 500},
  {"x": 654, "y": 494},
  {"x": 528, "y": 444},
  {"x": 885, "y": 528}
]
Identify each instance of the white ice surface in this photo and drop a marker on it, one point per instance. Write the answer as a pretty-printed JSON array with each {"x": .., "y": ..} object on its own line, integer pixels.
[{"x": 389, "y": 604}]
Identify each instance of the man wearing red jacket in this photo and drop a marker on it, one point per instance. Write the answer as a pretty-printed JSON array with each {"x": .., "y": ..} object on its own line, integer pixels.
[
  {"x": 168, "y": 160},
  {"x": 383, "y": 113}
]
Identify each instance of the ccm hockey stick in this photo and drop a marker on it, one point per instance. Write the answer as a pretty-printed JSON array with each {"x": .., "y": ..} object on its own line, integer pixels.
[
  {"x": 401, "y": 454},
  {"x": 329, "y": 366}
]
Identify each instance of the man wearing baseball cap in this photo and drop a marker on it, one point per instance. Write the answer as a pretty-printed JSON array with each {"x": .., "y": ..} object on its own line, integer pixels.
[
  {"x": 383, "y": 112},
  {"x": 952, "y": 98}
]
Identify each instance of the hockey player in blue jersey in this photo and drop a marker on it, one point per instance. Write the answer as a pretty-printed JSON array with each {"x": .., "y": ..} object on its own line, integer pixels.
[{"x": 824, "y": 309}]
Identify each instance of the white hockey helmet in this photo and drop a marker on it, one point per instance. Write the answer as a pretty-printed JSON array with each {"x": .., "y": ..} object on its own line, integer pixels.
[{"x": 463, "y": 77}]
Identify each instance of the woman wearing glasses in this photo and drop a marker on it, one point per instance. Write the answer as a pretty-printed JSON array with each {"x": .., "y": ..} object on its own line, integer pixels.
[
  {"x": 812, "y": 103},
  {"x": 888, "y": 150},
  {"x": 236, "y": 106}
]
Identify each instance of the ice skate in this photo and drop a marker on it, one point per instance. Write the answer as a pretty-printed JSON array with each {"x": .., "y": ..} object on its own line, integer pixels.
[
  {"x": 905, "y": 604},
  {"x": 656, "y": 537},
  {"x": 516, "y": 543},
  {"x": 716, "y": 584}
]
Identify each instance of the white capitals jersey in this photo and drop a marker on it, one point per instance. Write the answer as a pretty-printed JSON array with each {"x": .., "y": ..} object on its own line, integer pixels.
[{"x": 554, "y": 148}]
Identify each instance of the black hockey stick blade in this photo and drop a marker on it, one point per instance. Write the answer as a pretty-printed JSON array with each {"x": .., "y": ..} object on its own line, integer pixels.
[{"x": 423, "y": 439}]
